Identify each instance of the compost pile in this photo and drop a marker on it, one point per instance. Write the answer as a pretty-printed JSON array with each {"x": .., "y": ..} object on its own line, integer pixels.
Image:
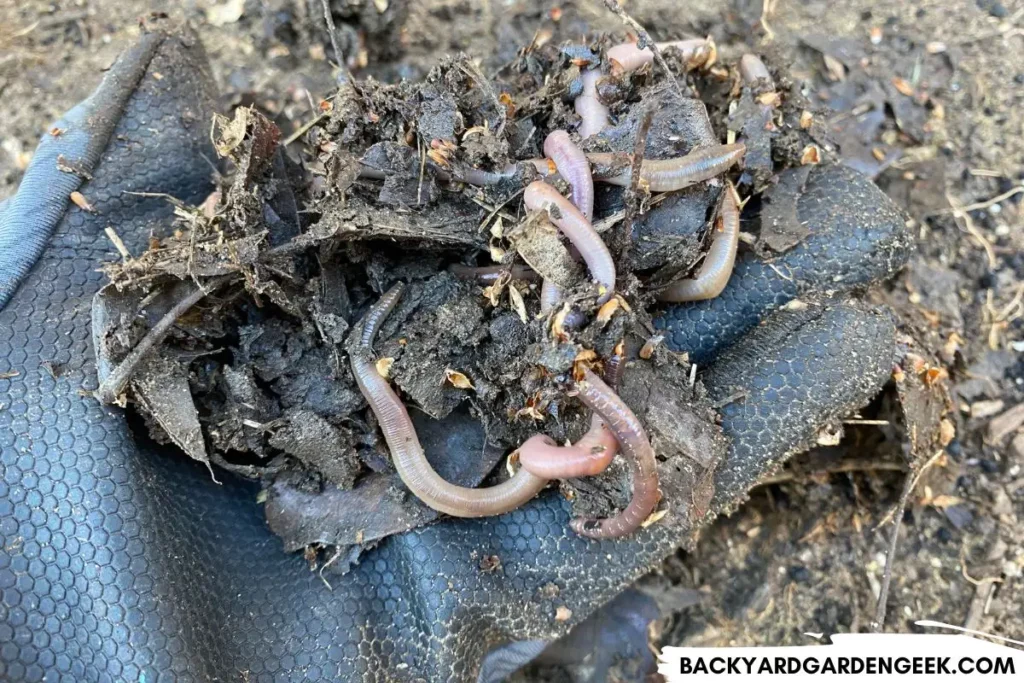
[{"x": 421, "y": 183}]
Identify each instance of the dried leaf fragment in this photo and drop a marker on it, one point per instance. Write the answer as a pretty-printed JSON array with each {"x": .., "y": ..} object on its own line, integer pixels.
[
  {"x": 810, "y": 155},
  {"x": 516, "y": 298},
  {"x": 81, "y": 202},
  {"x": 457, "y": 379},
  {"x": 384, "y": 366},
  {"x": 903, "y": 86}
]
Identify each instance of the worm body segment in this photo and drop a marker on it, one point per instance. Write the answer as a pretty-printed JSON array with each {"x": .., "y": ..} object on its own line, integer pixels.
[
  {"x": 668, "y": 175},
  {"x": 406, "y": 450},
  {"x": 572, "y": 165},
  {"x": 540, "y": 196},
  {"x": 714, "y": 273},
  {"x": 589, "y": 456},
  {"x": 635, "y": 447}
]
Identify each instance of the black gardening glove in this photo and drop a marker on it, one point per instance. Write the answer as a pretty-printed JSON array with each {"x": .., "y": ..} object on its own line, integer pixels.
[{"x": 123, "y": 560}]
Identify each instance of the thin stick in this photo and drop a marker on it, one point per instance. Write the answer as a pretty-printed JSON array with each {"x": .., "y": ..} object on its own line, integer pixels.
[
  {"x": 897, "y": 514},
  {"x": 304, "y": 129},
  {"x": 645, "y": 40},
  {"x": 118, "y": 244},
  {"x": 113, "y": 386}
]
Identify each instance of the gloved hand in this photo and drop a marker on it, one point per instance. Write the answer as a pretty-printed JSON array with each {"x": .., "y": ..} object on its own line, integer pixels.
[{"x": 123, "y": 560}]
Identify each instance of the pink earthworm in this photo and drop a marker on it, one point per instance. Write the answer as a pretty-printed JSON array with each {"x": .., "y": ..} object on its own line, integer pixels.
[
  {"x": 571, "y": 163},
  {"x": 592, "y": 112},
  {"x": 539, "y": 196},
  {"x": 635, "y": 447},
  {"x": 406, "y": 451},
  {"x": 752, "y": 70},
  {"x": 714, "y": 273},
  {"x": 667, "y": 175},
  {"x": 591, "y": 454}
]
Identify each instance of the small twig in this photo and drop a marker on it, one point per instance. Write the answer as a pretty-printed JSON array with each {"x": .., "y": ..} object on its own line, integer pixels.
[
  {"x": 897, "y": 513},
  {"x": 118, "y": 244},
  {"x": 304, "y": 128},
  {"x": 645, "y": 40},
  {"x": 842, "y": 468},
  {"x": 499, "y": 207},
  {"x": 113, "y": 386}
]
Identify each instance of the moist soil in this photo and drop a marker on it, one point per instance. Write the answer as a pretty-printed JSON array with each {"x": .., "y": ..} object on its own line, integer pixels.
[{"x": 917, "y": 95}]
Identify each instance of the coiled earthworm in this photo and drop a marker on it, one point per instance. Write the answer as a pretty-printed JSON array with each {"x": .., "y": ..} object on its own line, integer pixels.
[
  {"x": 714, "y": 273},
  {"x": 635, "y": 446},
  {"x": 667, "y": 175},
  {"x": 589, "y": 456},
  {"x": 540, "y": 196},
  {"x": 571, "y": 163},
  {"x": 592, "y": 112},
  {"x": 486, "y": 275},
  {"x": 406, "y": 451}
]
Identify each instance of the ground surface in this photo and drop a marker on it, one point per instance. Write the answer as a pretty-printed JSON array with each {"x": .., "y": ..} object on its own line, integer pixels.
[{"x": 806, "y": 553}]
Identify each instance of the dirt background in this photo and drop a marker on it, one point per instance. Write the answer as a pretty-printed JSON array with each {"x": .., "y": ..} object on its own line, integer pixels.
[{"x": 807, "y": 553}]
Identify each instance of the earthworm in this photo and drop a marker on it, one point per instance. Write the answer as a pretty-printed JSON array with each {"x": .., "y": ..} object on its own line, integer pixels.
[
  {"x": 592, "y": 112},
  {"x": 632, "y": 58},
  {"x": 714, "y": 273},
  {"x": 589, "y": 456},
  {"x": 571, "y": 163},
  {"x": 406, "y": 451},
  {"x": 636, "y": 447},
  {"x": 614, "y": 366},
  {"x": 540, "y": 196},
  {"x": 486, "y": 275},
  {"x": 752, "y": 70},
  {"x": 667, "y": 175}
]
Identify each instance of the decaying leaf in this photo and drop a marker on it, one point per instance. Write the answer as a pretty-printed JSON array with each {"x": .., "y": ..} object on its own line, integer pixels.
[
  {"x": 457, "y": 379},
  {"x": 81, "y": 202},
  {"x": 903, "y": 86},
  {"x": 654, "y": 517},
  {"x": 231, "y": 132},
  {"x": 607, "y": 310},
  {"x": 516, "y": 298},
  {"x": 810, "y": 155}
]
